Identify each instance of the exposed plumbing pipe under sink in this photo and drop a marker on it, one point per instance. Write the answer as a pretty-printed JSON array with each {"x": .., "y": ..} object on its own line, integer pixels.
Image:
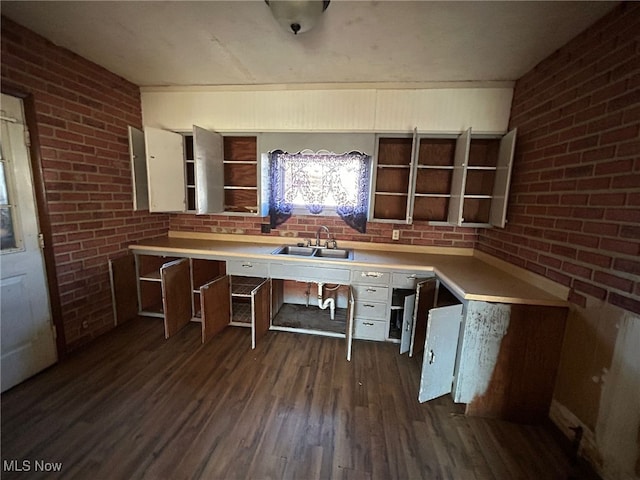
[{"x": 328, "y": 302}]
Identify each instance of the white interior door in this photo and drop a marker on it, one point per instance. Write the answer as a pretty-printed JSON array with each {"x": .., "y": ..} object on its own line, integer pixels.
[
  {"x": 28, "y": 343},
  {"x": 440, "y": 348}
]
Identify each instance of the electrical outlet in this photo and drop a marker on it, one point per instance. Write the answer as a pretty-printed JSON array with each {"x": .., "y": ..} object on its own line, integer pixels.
[{"x": 395, "y": 235}]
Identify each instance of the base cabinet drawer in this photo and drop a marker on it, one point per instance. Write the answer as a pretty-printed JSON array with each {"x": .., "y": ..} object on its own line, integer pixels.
[
  {"x": 247, "y": 268},
  {"x": 373, "y": 310},
  {"x": 370, "y": 277},
  {"x": 372, "y": 293},
  {"x": 408, "y": 279},
  {"x": 366, "y": 329}
]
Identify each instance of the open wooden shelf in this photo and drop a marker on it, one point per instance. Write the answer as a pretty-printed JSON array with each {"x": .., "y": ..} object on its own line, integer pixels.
[{"x": 453, "y": 179}]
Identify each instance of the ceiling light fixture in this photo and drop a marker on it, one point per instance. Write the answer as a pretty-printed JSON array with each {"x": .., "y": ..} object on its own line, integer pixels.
[{"x": 297, "y": 16}]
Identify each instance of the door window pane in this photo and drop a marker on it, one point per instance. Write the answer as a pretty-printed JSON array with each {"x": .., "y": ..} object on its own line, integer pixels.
[
  {"x": 7, "y": 233},
  {"x": 4, "y": 195}
]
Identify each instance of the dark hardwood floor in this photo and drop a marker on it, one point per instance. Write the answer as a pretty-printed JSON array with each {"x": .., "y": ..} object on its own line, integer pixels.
[{"x": 134, "y": 405}]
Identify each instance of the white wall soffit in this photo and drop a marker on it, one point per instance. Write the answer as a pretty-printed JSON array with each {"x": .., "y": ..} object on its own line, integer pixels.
[{"x": 450, "y": 110}]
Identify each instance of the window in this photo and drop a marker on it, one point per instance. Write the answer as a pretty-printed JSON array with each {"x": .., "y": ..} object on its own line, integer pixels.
[
  {"x": 8, "y": 239},
  {"x": 320, "y": 183}
]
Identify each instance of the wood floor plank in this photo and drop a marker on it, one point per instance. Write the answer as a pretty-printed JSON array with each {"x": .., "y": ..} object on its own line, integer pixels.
[{"x": 133, "y": 405}]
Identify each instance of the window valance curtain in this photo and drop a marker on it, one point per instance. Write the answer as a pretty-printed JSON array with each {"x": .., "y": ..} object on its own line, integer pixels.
[{"x": 320, "y": 180}]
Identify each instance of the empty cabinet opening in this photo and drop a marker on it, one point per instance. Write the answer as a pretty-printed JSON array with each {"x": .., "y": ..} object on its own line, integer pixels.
[
  {"x": 243, "y": 291},
  {"x": 190, "y": 172},
  {"x": 444, "y": 297},
  {"x": 398, "y": 307},
  {"x": 202, "y": 272},
  {"x": 296, "y": 307},
  {"x": 150, "y": 285}
]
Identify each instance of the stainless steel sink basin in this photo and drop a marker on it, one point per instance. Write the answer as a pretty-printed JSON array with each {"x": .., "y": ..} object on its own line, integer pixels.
[
  {"x": 333, "y": 253},
  {"x": 318, "y": 252},
  {"x": 294, "y": 250}
]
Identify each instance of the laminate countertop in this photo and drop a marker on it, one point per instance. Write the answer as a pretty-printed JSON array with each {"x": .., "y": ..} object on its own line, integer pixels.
[{"x": 469, "y": 277}]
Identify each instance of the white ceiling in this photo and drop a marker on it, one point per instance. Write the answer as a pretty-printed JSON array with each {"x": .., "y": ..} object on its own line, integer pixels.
[{"x": 158, "y": 43}]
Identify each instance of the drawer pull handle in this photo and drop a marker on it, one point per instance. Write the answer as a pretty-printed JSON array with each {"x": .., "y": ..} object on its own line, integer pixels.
[
  {"x": 371, "y": 290},
  {"x": 411, "y": 277},
  {"x": 432, "y": 357},
  {"x": 371, "y": 274},
  {"x": 247, "y": 265},
  {"x": 368, "y": 305},
  {"x": 368, "y": 324}
]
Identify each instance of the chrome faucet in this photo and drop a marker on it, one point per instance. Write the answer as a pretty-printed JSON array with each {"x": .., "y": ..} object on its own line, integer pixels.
[{"x": 326, "y": 229}]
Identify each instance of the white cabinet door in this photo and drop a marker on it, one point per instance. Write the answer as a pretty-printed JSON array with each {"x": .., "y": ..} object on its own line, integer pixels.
[
  {"x": 350, "y": 322},
  {"x": 459, "y": 179},
  {"x": 407, "y": 323},
  {"x": 260, "y": 311},
  {"x": 138, "y": 156},
  {"x": 438, "y": 363},
  {"x": 165, "y": 171},
  {"x": 412, "y": 175},
  {"x": 498, "y": 213},
  {"x": 208, "y": 148}
]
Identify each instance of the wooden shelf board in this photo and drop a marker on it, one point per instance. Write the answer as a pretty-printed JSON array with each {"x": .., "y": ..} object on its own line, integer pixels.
[
  {"x": 434, "y": 195},
  {"x": 151, "y": 277}
]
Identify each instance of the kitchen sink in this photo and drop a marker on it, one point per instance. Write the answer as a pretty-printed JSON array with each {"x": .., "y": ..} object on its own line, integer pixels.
[
  {"x": 294, "y": 250},
  {"x": 333, "y": 253},
  {"x": 317, "y": 252}
]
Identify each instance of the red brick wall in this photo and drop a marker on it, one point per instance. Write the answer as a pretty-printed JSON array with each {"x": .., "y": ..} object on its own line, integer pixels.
[
  {"x": 82, "y": 113},
  {"x": 305, "y": 226},
  {"x": 574, "y": 213}
]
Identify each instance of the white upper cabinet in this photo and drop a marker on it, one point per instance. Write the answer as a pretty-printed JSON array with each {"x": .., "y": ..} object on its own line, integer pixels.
[
  {"x": 175, "y": 172},
  {"x": 165, "y": 170},
  {"x": 392, "y": 184},
  {"x": 209, "y": 170},
  {"x": 459, "y": 179},
  {"x": 498, "y": 215},
  {"x": 138, "y": 156}
]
